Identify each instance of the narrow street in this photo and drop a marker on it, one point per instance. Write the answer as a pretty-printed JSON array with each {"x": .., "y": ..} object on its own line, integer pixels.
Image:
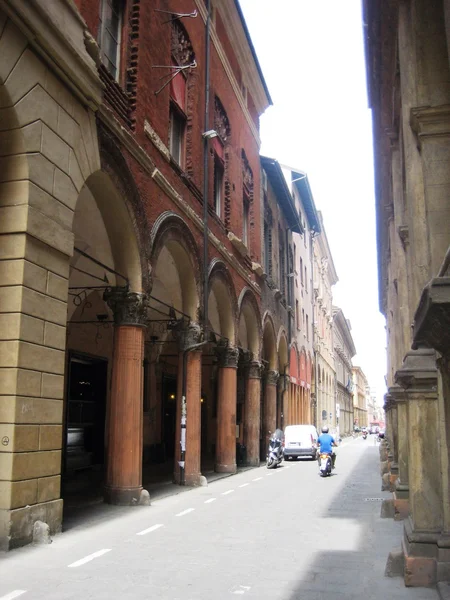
[{"x": 279, "y": 535}]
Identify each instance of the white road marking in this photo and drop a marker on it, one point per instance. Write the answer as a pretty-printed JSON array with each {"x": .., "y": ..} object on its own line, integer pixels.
[
  {"x": 257, "y": 479},
  {"x": 14, "y": 594},
  {"x": 210, "y": 500},
  {"x": 86, "y": 559},
  {"x": 227, "y": 492},
  {"x": 185, "y": 512},
  {"x": 240, "y": 589},
  {"x": 269, "y": 474},
  {"x": 150, "y": 529},
  {"x": 244, "y": 484}
]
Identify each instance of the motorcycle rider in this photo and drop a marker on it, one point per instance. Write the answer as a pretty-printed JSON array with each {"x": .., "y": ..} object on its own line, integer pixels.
[{"x": 326, "y": 442}]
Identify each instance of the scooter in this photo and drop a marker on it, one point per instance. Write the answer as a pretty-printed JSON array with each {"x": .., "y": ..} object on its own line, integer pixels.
[
  {"x": 275, "y": 451},
  {"x": 364, "y": 435},
  {"x": 325, "y": 464}
]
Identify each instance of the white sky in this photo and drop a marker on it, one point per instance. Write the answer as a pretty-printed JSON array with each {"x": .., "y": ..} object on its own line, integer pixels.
[{"x": 312, "y": 56}]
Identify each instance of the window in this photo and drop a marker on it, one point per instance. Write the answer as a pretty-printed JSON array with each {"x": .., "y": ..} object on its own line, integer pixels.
[
  {"x": 176, "y": 141},
  {"x": 218, "y": 186},
  {"x": 306, "y": 279},
  {"x": 295, "y": 259},
  {"x": 297, "y": 314},
  {"x": 303, "y": 318},
  {"x": 246, "y": 211},
  {"x": 109, "y": 35},
  {"x": 307, "y": 328},
  {"x": 301, "y": 271}
]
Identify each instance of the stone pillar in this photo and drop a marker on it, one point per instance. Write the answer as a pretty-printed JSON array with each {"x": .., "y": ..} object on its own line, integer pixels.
[
  {"x": 252, "y": 413},
  {"x": 125, "y": 411},
  {"x": 226, "y": 410},
  {"x": 270, "y": 405},
  {"x": 401, "y": 486},
  {"x": 188, "y": 426},
  {"x": 418, "y": 377}
]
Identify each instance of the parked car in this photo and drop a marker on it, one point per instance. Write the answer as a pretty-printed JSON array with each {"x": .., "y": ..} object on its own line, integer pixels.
[{"x": 300, "y": 440}]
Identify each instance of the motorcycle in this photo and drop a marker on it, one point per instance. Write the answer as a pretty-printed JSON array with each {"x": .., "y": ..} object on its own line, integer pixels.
[
  {"x": 364, "y": 435},
  {"x": 325, "y": 464},
  {"x": 275, "y": 451}
]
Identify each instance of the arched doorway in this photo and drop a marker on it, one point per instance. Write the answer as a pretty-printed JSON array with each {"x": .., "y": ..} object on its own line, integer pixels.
[
  {"x": 249, "y": 336},
  {"x": 269, "y": 358}
]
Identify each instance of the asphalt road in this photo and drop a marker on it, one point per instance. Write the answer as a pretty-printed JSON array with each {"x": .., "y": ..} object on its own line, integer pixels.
[{"x": 280, "y": 535}]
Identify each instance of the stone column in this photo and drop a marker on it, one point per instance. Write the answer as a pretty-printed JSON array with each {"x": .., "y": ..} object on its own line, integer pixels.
[
  {"x": 188, "y": 425},
  {"x": 125, "y": 411},
  {"x": 401, "y": 486},
  {"x": 418, "y": 377},
  {"x": 226, "y": 410},
  {"x": 252, "y": 413},
  {"x": 270, "y": 405}
]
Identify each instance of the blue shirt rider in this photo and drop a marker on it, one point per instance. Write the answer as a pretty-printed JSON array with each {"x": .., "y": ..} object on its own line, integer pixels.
[{"x": 326, "y": 443}]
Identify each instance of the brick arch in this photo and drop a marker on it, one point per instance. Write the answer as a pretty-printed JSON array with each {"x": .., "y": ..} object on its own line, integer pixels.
[
  {"x": 269, "y": 346},
  {"x": 250, "y": 315},
  {"x": 220, "y": 277},
  {"x": 170, "y": 232}
]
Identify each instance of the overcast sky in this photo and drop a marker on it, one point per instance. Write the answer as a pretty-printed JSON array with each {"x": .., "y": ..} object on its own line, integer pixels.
[{"x": 312, "y": 56}]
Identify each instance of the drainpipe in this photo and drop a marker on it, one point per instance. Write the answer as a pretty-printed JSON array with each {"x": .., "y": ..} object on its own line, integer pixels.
[
  {"x": 182, "y": 462},
  {"x": 205, "y": 173}
]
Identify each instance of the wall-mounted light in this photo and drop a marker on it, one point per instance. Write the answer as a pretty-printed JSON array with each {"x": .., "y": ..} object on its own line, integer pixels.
[
  {"x": 172, "y": 396},
  {"x": 210, "y": 134}
]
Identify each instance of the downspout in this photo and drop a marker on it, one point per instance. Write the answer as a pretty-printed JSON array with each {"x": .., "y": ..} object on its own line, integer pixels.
[{"x": 205, "y": 173}]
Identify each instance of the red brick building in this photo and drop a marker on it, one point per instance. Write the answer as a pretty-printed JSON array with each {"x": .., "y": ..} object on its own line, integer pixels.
[{"x": 107, "y": 147}]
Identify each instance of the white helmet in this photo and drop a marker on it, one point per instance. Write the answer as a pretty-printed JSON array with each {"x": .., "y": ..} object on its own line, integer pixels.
[{"x": 325, "y": 429}]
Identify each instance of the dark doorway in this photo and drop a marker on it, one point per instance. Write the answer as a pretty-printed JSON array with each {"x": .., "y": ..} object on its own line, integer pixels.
[
  {"x": 168, "y": 422},
  {"x": 85, "y": 413}
]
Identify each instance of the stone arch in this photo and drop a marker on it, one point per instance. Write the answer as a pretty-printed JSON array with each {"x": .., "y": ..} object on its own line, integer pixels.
[
  {"x": 175, "y": 264},
  {"x": 269, "y": 345},
  {"x": 222, "y": 302},
  {"x": 249, "y": 332}
]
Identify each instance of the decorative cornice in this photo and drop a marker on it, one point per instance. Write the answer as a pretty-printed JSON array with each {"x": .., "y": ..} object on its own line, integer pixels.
[
  {"x": 427, "y": 121},
  {"x": 156, "y": 141},
  {"x": 129, "y": 308}
]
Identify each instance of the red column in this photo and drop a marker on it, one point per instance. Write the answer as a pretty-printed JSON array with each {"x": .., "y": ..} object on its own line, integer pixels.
[
  {"x": 190, "y": 440},
  {"x": 124, "y": 464},
  {"x": 270, "y": 405},
  {"x": 252, "y": 414},
  {"x": 226, "y": 411}
]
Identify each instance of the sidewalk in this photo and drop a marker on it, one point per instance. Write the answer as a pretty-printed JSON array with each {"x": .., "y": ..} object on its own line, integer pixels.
[{"x": 85, "y": 507}]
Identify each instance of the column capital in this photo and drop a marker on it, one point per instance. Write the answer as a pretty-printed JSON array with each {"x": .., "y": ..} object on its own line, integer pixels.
[
  {"x": 129, "y": 308},
  {"x": 272, "y": 377},
  {"x": 188, "y": 335},
  {"x": 254, "y": 369},
  {"x": 228, "y": 356},
  {"x": 396, "y": 393},
  {"x": 418, "y": 373}
]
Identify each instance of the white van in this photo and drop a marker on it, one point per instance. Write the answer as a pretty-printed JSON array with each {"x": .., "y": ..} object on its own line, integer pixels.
[{"x": 300, "y": 440}]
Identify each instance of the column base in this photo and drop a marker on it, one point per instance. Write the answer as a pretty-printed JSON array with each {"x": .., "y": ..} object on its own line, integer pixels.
[
  {"x": 253, "y": 462},
  {"x": 221, "y": 468},
  {"x": 420, "y": 549},
  {"x": 16, "y": 526},
  {"x": 122, "y": 496}
]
